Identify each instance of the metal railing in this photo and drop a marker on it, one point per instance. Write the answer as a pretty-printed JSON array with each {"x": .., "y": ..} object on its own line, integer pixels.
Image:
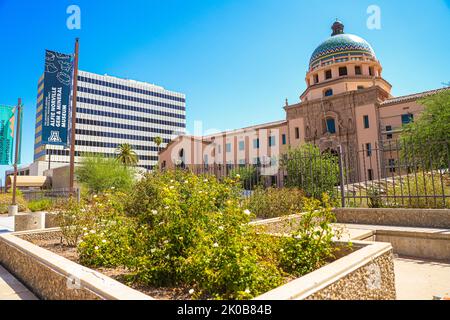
[{"x": 381, "y": 174}]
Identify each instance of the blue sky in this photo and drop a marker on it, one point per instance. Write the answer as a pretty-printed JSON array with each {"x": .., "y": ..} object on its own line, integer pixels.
[{"x": 236, "y": 60}]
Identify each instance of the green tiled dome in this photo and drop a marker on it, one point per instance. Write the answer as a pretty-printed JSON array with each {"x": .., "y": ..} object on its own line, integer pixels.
[{"x": 341, "y": 44}]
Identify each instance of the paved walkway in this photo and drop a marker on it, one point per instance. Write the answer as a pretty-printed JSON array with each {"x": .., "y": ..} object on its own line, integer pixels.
[
  {"x": 6, "y": 223},
  {"x": 12, "y": 289},
  {"x": 418, "y": 279}
]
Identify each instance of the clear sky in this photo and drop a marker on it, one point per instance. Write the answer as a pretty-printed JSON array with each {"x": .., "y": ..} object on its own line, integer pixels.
[{"x": 236, "y": 60}]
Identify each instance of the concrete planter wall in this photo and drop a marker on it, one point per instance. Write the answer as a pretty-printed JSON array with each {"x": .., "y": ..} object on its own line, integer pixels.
[
  {"x": 53, "y": 277},
  {"x": 366, "y": 273},
  {"x": 420, "y": 218}
]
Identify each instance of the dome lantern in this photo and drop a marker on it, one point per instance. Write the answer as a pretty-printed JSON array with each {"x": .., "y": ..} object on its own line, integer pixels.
[{"x": 337, "y": 27}]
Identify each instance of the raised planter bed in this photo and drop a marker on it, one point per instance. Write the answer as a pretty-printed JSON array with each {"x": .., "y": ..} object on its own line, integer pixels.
[{"x": 367, "y": 272}]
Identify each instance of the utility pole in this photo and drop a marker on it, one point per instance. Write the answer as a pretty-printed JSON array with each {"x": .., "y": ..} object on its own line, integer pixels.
[
  {"x": 74, "y": 114},
  {"x": 16, "y": 156}
]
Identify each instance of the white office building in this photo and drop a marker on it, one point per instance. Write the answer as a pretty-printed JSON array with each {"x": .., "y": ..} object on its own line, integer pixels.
[{"x": 113, "y": 111}]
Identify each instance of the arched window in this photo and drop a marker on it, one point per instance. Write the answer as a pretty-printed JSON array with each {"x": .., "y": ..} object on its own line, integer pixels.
[
  {"x": 328, "y": 93},
  {"x": 330, "y": 125}
]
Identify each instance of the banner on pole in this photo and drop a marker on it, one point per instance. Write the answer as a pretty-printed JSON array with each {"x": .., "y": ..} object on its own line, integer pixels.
[
  {"x": 7, "y": 122},
  {"x": 57, "y": 87}
]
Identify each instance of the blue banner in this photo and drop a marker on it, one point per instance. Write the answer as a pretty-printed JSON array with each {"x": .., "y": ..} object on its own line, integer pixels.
[{"x": 57, "y": 87}]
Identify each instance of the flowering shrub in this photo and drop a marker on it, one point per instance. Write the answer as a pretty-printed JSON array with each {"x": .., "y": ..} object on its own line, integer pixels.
[
  {"x": 310, "y": 245},
  {"x": 179, "y": 229},
  {"x": 198, "y": 235},
  {"x": 275, "y": 202}
]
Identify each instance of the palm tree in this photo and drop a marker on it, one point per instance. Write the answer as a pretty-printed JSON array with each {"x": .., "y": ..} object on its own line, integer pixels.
[
  {"x": 157, "y": 141},
  {"x": 126, "y": 155}
]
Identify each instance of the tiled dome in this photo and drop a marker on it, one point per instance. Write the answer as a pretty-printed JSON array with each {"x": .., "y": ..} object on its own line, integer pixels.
[{"x": 340, "y": 44}]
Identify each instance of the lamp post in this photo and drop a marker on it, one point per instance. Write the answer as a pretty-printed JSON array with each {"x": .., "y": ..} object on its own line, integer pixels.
[
  {"x": 74, "y": 114},
  {"x": 13, "y": 208}
]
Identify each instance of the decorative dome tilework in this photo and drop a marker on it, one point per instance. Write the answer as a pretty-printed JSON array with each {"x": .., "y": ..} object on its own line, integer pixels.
[{"x": 341, "y": 44}]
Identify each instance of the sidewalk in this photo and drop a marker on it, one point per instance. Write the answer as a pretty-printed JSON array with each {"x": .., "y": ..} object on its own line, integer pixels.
[
  {"x": 12, "y": 289},
  {"x": 418, "y": 279},
  {"x": 6, "y": 223}
]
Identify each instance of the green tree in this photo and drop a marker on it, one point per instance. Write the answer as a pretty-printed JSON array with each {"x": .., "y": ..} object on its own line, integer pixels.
[
  {"x": 426, "y": 141},
  {"x": 126, "y": 155},
  {"x": 99, "y": 174},
  {"x": 313, "y": 172},
  {"x": 157, "y": 141}
]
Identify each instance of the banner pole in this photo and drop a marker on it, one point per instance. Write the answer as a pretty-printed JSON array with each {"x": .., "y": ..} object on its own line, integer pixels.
[
  {"x": 74, "y": 114},
  {"x": 19, "y": 103}
]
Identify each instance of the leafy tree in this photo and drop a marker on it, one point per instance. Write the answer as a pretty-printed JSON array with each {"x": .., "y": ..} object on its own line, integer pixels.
[
  {"x": 427, "y": 140},
  {"x": 313, "y": 172},
  {"x": 126, "y": 155},
  {"x": 99, "y": 174}
]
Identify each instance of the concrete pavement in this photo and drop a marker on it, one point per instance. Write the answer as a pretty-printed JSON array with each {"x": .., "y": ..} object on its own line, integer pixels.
[
  {"x": 418, "y": 279},
  {"x": 6, "y": 223},
  {"x": 13, "y": 289}
]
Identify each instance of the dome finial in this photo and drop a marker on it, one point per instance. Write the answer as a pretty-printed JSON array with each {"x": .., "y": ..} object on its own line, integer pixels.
[{"x": 337, "y": 27}]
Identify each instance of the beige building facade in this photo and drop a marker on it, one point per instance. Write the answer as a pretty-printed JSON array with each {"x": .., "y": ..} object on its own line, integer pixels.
[{"x": 347, "y": 104}]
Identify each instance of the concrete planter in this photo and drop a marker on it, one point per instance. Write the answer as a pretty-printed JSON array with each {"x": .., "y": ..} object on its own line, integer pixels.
[{"x": 365, "y": 273}]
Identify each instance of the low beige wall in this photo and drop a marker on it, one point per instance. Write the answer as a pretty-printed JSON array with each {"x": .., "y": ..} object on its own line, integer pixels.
[
  {"x": 423, "y": 218},
  {"x": 53, "y": 277},
  {"x": 424, "y": 245},
  {"x": 365, "y": 273},
  {"x": 29, "y": 221}
]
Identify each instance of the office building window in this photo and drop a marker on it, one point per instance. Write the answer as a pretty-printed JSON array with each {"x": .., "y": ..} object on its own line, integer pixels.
[
  {"x": 369, "y": 149},
  {"x": 407, "y": 118},
  {"x": 297, "y": 133},
  {"x": 391, "y": 165},
  {"x": 366, "y": 122},
  {"x": 370, "y": 174},
  {"x": 388, "y": 134},
  {"x": 241, "y": 145},
  {"x": 328, "y": 92},
  {"x": 256, "y": 143},
  {"x": 283, "y": 139},
  {"x": 272, "y": 141},
  {"x": 331, "y": 125}
]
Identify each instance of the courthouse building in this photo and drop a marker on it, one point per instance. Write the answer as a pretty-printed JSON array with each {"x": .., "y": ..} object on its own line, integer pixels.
[{"x": 346, "y": 103}]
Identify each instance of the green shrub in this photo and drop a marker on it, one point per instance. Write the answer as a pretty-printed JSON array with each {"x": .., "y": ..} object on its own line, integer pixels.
[
  {"x": 247, "y": 175},
  {"x": 420, "y": 186},
  {"x": 310, "y": 245},
  {"x": 314, "y": 172},
  {"x": 275, "y": 202},
  {"x": 40, "y": 205},
  {"x": 6, "y": 200},
  {"x": 374, "y": 197},
  {"x": 179, "y": 229},
  {"x": 198, "y": 235},
  {"x": 98, "y": 174}
]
